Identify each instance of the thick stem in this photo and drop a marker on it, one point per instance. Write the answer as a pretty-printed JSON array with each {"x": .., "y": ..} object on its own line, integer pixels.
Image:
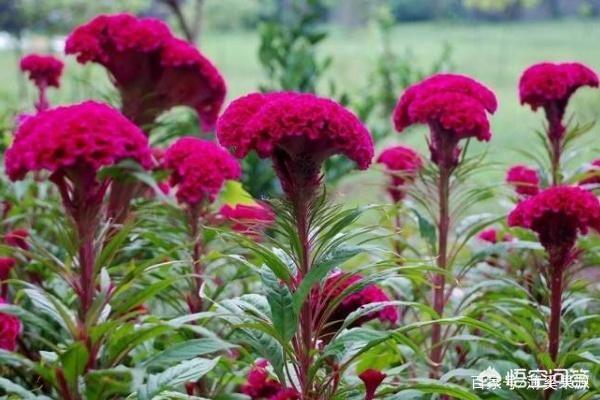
[
  {"x": 42, "y": 103},
  {"x": 555, "y": 160},
  {"x": 306, "y": 324},
  {"x": 439, "y": 280},
  {"x": 557, "y": 266},
  {"x": 86, "y": 274}
]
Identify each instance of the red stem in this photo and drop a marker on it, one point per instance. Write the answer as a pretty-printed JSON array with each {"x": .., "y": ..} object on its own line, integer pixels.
[
  {"x": 439, "y": 280},
  {"x": 42, "y": 103},
  {"x": 557, "y": 266}
]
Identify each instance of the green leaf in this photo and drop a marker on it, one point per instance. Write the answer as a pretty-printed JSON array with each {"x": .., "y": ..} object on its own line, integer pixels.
[
  {"x": 108, "y": 384},
  {"x": 186, "y": 371},
  {"x": 24, "y": 394},
  {"x": 186, "y": 350},
  {"x": 283, "y": 313},
  {"x": 233, "y": 193},
  {"x": 73, "y": 362},
  {"x": 435, "y": 387},
  {"x": 426, "y": 229}
]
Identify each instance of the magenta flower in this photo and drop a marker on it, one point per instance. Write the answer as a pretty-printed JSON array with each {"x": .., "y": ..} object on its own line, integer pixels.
[
  {"x": 153, "y": 70},
  {"x": 6, "y": 265},
  {"x": 298, "y": 131},
  {"x": 259, "y": 385},
  {"x": 199, "y": 168},
  {"x": 335, "y": 285},
  {"x": 493, "y": 236},
  {"x": 17, "y": 238},
  {"x": 557, "y": 214},
  {"x": 74, "y": 143},
  {"x": 372, "y": 379},
  {"x": 594, "y": 171},
  {"x": 286, "y": 394},
  {"x": 10, "y": 328},
  {"x": 248, "y": 219},
  {"x": 525, "y": 180},
  {"x": 550, "y": 85},
  {"x": 44, "y": 72},
  {"x": 402, "y": 164},
  {"x": 454, "y": 106}
]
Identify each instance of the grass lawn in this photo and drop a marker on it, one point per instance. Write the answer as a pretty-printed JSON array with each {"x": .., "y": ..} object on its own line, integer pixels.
[{"x": 494, "y": 53}]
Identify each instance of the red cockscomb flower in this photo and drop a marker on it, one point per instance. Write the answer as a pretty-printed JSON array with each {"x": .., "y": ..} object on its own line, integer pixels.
[
  {"x": 493, "y": 236},
  {"x": 372, "y": 379},
  {"x": 44, "y": 71},
  {"x": 454, "y": 106},
  {"x": 337, "y": 283},
  {"x": 6, "y": 265},
  {"x": 259, "y": 385},
  {"x": 550, "y": 86},
  {"x": 17, "y": 238},
  {"x": 297, "y": 130},
  {"x": 74, "y": 140},
  {"x": 557, "y": 214},
  {"x": 403, "y": 164},
  {"x": 525, "y": 180},
  {"x": 286, "y": 394},
  {"x": 153, "y": 70},
  {"x": 10, "y": 328},
  {"x": 199, "y": 169},
  {"x": 250, "y": 219},
  {"x": 594, "y": 171}
]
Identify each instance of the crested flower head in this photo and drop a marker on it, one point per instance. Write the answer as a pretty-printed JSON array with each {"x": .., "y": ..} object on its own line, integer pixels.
[
  {"x": 44, "y": 71},
  {"x": 525, "y": 180},
  {"x": 299, "y": 131},
  {"x": 454, "y": 106},
  {"x": 557, "y": 214},
  {"x": 10, "y": 328},
  {"x": 402, "y": 164},
  {"x": 153, "y": 70},
  {"x": 550, "y": 85},
  {"x": 372, "y": 379},
  {"x": 594, "y": 174},
  {"x": 199, "y": 168},
  {"x": 85, "y": 136},
  {"x": 17, "y": 238},
  {"x": 6, "y": 265},
  {"x": 546, "y": 83},
  {"x": 250, "y": 219}
]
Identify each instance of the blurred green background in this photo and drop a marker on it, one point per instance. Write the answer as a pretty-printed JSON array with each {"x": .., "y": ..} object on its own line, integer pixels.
[{"x": 492, "y": 40}]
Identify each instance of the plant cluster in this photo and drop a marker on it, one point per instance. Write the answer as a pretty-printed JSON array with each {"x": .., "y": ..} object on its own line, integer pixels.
[{"x": 137, "y": 272}]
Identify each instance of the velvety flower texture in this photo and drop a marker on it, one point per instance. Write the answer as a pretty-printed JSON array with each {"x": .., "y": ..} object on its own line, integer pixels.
[
  {"x": 557, "y": 214},
  {"x": 550, "y": 85},
  {"x": 260, "y": 386},
  {"x": 199, "y": 168},
  {"x": 454, "y": 106},
  {"x": 43, "y": 70},
  {"x": 153, "y": 70},
  {"x": 80, "y": 138},
  {"x": 403, "y": 164},
  {"x": 338, "y": 282},
  {"x": 525, "y": 180},
  {"x": 10, "y": 328},
  {"x": 594, "y": 171},
  {"x": 372, "y": 379},
  {"x": 297, "y": 130},
  {"x": 250, "y": 219},
  {"x": 17, "y": 238}
]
